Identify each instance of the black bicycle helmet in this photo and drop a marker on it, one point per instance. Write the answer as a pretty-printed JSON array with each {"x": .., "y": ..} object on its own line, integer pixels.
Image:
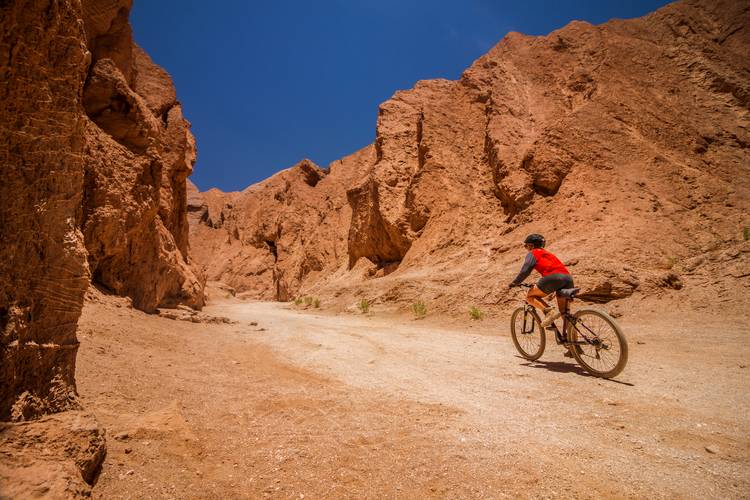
[{"x": 535, "y": 239}]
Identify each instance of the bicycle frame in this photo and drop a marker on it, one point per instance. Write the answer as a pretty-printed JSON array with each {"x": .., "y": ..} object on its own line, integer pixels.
[
  {"x": 590, "y": 336},
  {"x": 569, "y": 321}
]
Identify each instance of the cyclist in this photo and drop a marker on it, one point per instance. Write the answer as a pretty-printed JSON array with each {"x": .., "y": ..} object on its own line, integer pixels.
[{"x": 555, "y": 276}]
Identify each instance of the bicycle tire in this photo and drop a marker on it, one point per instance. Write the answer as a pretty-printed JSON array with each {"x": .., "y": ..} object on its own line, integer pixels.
[
  {"x": 583, "y": 352},
  {"x": 531, "y": 356}
]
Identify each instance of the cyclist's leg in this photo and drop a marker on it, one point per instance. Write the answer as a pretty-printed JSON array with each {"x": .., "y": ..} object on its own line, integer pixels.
[
  {"x": 565, "y": 281},
  {"x": 545, "y": 286},
  {"x": 554, "y": 282},
  {"x": 535, "y": 297},
  {"x": 563, "y": 303}
]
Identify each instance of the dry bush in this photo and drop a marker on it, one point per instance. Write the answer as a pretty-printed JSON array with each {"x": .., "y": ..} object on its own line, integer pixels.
[
  {"x": 419, "y": 308},
  {"x": 364, "y": 306},
  {"x": 475, "y": 313}
]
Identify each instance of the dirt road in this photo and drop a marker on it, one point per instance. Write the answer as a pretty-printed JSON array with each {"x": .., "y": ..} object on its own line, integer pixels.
[{"x": 310, "y": 405}]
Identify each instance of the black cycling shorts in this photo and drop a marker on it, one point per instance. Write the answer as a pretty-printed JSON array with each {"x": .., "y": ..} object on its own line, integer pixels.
[{"x": 553, "y": 282}]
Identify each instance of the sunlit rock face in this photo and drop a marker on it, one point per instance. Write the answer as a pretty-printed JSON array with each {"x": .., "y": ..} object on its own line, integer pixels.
[
  {"x": 625, "y": 144},
  {"x": 94, "y": 154}
]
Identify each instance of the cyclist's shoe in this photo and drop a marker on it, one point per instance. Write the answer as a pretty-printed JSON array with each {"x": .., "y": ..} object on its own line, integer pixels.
[{"x": 549, "y": 316}]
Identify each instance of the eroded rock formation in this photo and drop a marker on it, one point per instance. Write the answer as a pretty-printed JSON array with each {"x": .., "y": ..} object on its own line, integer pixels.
[
  {"x": 269, "y": 239},
  {"x": 43, "y": 269},
  {"x": 139, "y": 153},
  {"x": 94, "y": 154},
  {"x": 57, "y": 456},
  {"x": 626, "y": 144}
]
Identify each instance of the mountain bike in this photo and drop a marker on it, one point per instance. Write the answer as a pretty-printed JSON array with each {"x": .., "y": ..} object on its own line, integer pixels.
[{"x": 592, "y": 337}]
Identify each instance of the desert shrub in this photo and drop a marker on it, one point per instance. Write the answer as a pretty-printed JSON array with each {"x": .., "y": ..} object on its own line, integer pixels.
[
  {"x": 364, "y": 306},
  {"x": 316, "y": 303},
  {"x": 308, "y": 301},
  {"x": 298, "y": 301},
  {"x": 746, "y": 233},
  {"x": 419, "y": 308},
  {"x": 475, "y": 313}
]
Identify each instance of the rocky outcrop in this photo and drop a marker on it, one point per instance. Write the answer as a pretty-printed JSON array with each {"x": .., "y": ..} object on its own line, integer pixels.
[
  {"x": 57, "y": 456},
  {"x": 94, "y": 155},
  {"x": 271, "y": 238},
  {"x": 208, "y": 207},
  {"x": 139, "y": 153},
  {"x": 427, "y": 175},
  {"x": 43, "y": 269},
  {"x": 624, "y": 143}
]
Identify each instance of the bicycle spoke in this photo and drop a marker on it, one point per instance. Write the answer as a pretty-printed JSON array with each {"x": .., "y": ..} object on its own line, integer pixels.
[
  {"x": 601, "y": 350},
  {"x": 527, "y": 334}
]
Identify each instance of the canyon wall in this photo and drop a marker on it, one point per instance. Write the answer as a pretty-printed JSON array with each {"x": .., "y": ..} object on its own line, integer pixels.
[
  {"x": 94, "y": 154},
  {"x": 269, "y": 239},
  {"x": 139, "y": 153},
  {"x": 42, "y": 251},
  {"x": 626, "y": 144}
]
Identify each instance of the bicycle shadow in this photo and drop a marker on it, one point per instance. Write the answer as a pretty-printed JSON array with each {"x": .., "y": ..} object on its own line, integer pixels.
[{"x": 563, "y": 367}]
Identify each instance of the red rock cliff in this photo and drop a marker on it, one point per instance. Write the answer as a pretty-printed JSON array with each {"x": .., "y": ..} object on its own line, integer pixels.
[
  {"x": 624, "y": 143},
  {"x": 94, "y": 153},
  {"x": 139, "y": 152}
]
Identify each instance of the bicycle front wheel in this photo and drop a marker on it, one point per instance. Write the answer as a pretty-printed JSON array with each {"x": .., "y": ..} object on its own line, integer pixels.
[
  {"x": 598, "y": 343},
  {"x": 527, "y": 333}
]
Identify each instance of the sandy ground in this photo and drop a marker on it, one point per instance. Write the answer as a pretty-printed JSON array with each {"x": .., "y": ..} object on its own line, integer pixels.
[{"x": 313, "y": 405}]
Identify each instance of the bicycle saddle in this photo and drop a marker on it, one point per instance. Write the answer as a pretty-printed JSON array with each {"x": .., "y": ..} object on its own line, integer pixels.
[{"x": 569, "y": 292}]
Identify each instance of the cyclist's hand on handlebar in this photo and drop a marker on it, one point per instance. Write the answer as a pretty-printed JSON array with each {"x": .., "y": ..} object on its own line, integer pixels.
[{"x": 512, "y": 285}]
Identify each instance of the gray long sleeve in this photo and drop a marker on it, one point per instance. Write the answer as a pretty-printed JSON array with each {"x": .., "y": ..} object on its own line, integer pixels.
[{"x": 528, "y": 266}]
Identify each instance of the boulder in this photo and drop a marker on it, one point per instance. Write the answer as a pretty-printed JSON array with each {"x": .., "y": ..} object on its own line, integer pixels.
[{"x": 57, "y": 456}]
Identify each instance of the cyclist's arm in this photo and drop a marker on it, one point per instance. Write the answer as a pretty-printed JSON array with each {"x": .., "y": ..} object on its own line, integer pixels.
[{"x": 528, "y": 266}]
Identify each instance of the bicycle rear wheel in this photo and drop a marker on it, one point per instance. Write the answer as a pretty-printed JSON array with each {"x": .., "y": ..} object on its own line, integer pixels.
[
  {"x": 527, "y": 333},
  {"x": 604, "y": 350}
]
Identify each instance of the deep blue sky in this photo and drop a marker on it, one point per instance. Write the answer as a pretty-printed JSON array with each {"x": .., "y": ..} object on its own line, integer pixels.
[{"x": 266, "y": 84}]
